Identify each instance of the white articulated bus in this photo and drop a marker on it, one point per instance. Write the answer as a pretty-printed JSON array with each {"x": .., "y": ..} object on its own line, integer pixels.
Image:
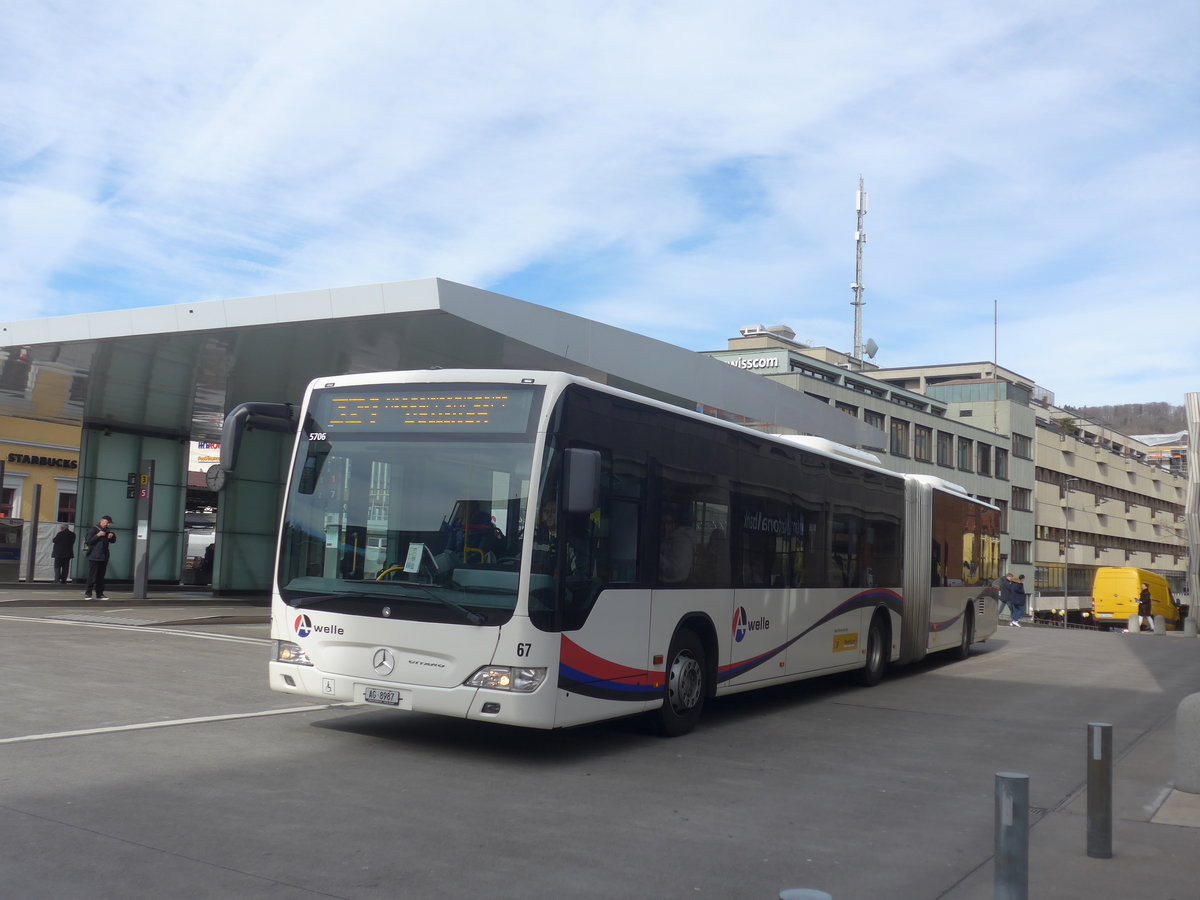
[{"x": 537, "y": 549}]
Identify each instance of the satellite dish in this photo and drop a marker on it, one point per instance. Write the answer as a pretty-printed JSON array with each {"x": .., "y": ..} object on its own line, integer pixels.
[{"x": 871, "y": 348}]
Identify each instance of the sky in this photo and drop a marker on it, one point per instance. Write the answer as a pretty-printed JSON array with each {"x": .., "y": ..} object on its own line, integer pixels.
[{"x": 679, "y": 169}]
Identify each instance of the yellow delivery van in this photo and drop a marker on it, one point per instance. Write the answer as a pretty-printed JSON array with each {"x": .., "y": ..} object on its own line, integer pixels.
[{"x": 1115, "y": 595}]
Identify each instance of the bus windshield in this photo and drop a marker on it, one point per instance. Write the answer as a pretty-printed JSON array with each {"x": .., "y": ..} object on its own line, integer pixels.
[{"x": 410, "y": 502}]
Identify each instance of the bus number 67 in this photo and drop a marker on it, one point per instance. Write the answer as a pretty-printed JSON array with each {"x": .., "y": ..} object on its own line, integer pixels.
[{"x": 524, "y": 649}]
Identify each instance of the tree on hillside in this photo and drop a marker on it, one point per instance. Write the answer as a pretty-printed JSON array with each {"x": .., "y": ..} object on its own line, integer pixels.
[{"x": 1136, "y": 418}]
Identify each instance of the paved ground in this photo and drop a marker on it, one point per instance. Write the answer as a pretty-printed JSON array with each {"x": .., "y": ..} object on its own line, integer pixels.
[
  {"x": 163, "y": 606},
  {"x": 141, "y": 755}
]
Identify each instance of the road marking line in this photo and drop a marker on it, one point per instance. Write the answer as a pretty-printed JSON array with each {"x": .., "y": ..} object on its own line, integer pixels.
[
  {"x": 140, "y": 629},
  {"x": 200, "y": 720}
]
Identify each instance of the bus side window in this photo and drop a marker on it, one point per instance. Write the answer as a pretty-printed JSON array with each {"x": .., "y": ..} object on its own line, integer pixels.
[
  {"x": 677, "y": 542},
  {"x": 715, "y": 556},
  {"x": 623, "y": 540}
]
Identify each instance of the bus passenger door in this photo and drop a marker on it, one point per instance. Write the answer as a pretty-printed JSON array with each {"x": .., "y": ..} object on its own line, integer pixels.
[{"x": 758, "y": 635}]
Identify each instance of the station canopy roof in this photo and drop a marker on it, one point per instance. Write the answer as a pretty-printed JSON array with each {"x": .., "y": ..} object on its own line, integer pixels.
[{"x": 174, "y": 371}]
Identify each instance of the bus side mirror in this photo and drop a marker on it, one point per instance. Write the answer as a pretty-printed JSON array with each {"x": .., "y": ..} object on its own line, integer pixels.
[
  {"x": 279, "y": 417},
  {"x": 582, "y": 481}
]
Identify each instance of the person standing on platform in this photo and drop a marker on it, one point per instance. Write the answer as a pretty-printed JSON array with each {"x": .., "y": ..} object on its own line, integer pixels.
[
  {"x": 96, "y": 542},
  {"x": 62, "y": 553}
]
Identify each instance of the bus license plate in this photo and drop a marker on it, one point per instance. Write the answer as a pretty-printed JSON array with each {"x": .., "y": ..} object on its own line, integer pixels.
[{"x": 382, "y": 696}]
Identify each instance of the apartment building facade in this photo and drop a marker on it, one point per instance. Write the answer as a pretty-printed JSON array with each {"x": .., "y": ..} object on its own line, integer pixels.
[
  {"x": 1104, "y": 499},
  {"x": 1097, "y": 498}
]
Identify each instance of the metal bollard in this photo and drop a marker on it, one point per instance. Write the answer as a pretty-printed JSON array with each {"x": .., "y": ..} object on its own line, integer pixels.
[
  {"x": 1187, "y": 745},
  {"x": 804, "y": 894},
  {"x": 1011, "y": 880},
  {"x": 1099, "y": 790}
]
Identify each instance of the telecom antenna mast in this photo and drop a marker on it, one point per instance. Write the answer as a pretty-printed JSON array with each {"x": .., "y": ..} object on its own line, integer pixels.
[{"x": 860, "y": 238}]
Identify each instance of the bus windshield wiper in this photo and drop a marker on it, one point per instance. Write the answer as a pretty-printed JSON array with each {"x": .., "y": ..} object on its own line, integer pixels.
[{"x": 471, "y": 616}]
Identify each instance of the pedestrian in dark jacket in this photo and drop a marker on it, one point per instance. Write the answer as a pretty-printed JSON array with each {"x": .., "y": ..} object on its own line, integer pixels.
[
  {"x": 63, "y": 553},
  {"x": 1005, "y": 599},
  {"x": 96, "y": 542},
  {"x": 1016, "y": 601},
  {"x": 1146, "y": 608}
]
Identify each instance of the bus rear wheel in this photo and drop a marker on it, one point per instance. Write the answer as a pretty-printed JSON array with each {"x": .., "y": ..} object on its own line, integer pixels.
[
  {"x": 968, "y": 634},
  {"x": 686, "y": 685},
  {"x": 876, "y": 661}
]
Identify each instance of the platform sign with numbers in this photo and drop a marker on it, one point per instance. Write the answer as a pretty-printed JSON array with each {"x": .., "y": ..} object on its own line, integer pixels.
[
  {"x": 138, "y": 486},
  {"x": 141, "y": 484}
]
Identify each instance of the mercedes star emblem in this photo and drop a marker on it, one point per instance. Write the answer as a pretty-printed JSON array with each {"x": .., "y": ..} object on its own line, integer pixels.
[{"x": 384, "y": 662}]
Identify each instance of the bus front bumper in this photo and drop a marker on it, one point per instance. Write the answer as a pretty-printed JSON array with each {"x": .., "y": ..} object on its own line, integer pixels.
[{"x": 533, "y": 710}]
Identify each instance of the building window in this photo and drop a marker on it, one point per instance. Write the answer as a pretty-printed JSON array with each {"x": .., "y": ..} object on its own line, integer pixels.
[
  {"x": 66, "y": 508},
  {"x": 77, "y": 392},
  {"x": 6, "y": 502},
  {"x": 1001, "y": 463},
  {"x": 1022, "y": 446},
  {"x": 811, "y": 373},
  {"x": 1022, "y": 499},
  {"x": 14, "y": 371},
  {"x": 818, "y": 398},
  {"x": 964, "y": 454},
  {"x": 899, "y": 437},
  {"x": 1003, "y": 505},
  {"x": 865, "y": 388},
  {"x": 873, "y": 418},
  {"x": 923, "y": 443},
  {"x": 1020, "y": 553},
  {"x": 945, "y": 449},
  {"x": 847, "y": 409},
  {"x": 983, "y": 464}
]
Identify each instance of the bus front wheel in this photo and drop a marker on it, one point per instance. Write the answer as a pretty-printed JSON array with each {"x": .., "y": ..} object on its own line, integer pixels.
[{"x": 686, "y": 685}]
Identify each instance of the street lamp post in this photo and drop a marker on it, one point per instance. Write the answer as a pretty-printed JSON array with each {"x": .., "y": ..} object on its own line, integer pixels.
[{"x": 1066, "y": 541}]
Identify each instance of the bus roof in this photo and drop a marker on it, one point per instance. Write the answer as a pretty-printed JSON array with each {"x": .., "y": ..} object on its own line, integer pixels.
[{"x": 811, "y": 443}]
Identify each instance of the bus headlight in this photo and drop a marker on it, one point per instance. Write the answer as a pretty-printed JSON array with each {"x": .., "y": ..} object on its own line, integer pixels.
[
  {"x": 286, "y": 651},
  {"x": 508, "y": 678}
]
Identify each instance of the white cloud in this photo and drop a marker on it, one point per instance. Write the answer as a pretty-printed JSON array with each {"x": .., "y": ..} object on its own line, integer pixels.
[{"x": 677, "y": 168}]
